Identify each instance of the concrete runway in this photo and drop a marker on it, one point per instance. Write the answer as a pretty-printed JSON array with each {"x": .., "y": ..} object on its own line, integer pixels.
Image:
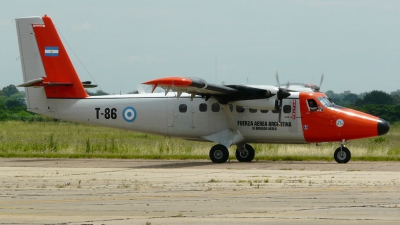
[{"x": 102, "y": 191}]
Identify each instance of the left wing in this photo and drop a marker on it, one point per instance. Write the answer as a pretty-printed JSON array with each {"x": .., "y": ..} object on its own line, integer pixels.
[{"x": 223, "y": 93}]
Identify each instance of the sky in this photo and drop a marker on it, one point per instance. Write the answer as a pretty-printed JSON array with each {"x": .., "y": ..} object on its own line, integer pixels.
[{"x": 120, "y": 44}]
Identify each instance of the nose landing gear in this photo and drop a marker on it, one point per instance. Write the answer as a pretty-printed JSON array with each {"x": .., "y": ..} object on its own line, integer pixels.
[{"x": 342, "y": 154}]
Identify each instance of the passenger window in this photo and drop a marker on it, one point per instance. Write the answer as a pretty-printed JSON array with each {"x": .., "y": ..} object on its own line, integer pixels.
[
  {"x": 287, "y": 109},
  {"x": 230, "y": 107},
  {"x": 203, "y": 107},
  {"x": 215, "y": 107},
  {"x": 182, "y": 108},
  {"x": 275, "y": 110},
  {"x": 239, "y": 109},
  {"x": 263, "y": 111},
  {"x": 252, "y": 110}
]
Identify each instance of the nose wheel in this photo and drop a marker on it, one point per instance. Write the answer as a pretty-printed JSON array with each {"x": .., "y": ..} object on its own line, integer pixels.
[{"x": 342, "y": 155}]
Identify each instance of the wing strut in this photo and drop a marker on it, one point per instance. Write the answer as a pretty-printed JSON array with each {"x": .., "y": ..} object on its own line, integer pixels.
[
  {"x": 229, "y": 136},
  {"x": 229, "y": 118}
]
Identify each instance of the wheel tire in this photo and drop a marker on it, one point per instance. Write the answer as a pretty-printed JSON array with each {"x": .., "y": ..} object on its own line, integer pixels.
[
  {"x": 248, "y": 156},
  {"x": 219, "y": 154},
  {"x": 342, "y": 155}
]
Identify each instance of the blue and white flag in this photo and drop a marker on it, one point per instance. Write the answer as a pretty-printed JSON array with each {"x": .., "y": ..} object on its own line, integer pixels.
[{"x": 50, "y": 51}]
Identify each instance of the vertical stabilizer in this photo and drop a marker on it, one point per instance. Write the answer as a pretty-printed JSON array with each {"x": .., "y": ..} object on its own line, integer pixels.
[
  {"x": 45, "y": 63},
  {"x": 32, "y": 66}
]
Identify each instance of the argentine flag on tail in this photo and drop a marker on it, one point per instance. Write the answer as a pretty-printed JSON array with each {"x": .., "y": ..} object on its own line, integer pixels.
[{"x": 50, "y": 51}]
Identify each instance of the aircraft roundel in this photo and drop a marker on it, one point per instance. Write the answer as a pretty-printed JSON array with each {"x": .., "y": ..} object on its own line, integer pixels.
[
  {"x": 339, "y": 123},
  {"x": 129, "y": 114}
]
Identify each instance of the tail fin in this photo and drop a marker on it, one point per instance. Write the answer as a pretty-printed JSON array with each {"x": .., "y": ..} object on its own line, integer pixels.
[{"x": 45, "y": 62}]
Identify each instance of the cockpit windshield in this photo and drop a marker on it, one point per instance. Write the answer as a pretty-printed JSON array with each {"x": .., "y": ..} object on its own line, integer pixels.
[{"x": 326, "y": 102}]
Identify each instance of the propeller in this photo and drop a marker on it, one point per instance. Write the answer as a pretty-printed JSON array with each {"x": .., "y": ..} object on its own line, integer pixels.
[
  {"x": 317, "y": 88},
  {"x": 281, "y": 94},
  {"x": 322, "y": 79},
  {"x": 277, "y": 78}
]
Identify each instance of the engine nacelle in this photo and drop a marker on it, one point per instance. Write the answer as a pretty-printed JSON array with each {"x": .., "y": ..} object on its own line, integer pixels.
[{"x": 261, "y": 104}]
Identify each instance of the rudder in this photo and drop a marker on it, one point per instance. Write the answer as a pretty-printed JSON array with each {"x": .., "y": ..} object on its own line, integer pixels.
[{"x": 32, "y": 66}]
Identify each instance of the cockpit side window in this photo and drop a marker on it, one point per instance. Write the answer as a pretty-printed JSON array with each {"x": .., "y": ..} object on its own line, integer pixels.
[{"x": 312, "y": 105}]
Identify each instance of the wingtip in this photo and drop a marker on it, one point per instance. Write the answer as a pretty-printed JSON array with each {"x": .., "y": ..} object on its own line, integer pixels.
[{"x": 170, "y": 81}]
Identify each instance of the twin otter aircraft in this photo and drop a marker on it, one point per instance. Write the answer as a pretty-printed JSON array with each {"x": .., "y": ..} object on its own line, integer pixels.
[{"x": 190, "y": 108}]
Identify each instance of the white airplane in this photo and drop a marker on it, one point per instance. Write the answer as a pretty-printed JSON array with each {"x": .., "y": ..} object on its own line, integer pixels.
[{"x": 190, "y": 108}]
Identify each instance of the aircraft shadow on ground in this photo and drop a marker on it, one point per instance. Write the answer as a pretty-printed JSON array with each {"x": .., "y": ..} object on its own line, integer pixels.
[
  {"x": 190, "y": 164},
  {"x": 172, "y": 165}
]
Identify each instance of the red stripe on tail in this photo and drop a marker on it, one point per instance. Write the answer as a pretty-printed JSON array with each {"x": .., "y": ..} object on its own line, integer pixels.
[{"x": 58, "y": 66}]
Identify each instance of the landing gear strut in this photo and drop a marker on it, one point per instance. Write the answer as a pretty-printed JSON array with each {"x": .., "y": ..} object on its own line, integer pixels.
[
  {"x": 245, "y": 153},
  {"x": 342, "y": 154}
]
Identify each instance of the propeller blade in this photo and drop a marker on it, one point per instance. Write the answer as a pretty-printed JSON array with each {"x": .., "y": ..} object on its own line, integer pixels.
[
  {"x": 322, "y": 79},
  {"x": 318, "y": 88},
  {"x": 277, "y": 78}
]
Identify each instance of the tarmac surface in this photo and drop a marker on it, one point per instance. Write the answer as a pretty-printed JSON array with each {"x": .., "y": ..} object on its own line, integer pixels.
[{"x": 108, "y": 191}]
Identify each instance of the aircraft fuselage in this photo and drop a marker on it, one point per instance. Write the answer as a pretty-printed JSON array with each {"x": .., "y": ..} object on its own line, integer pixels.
[{"x": 197, "y": 119}]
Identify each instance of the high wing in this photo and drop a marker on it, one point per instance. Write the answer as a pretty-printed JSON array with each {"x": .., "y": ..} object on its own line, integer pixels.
[{"x": 223, "y": 93}]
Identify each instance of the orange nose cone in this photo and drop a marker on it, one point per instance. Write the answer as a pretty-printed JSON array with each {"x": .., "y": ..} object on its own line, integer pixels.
[{"x": 383, "y": 127}]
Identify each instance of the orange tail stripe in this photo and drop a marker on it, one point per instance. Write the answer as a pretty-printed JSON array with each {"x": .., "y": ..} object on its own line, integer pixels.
[{"x": 57, "y": 64}]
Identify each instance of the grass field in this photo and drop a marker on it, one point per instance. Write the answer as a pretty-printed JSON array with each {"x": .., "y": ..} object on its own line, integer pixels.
[{"x": 70, "y": 140}]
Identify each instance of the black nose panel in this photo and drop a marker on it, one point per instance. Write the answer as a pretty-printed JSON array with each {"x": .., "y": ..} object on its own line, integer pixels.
[{"x": 383, "y": 127}]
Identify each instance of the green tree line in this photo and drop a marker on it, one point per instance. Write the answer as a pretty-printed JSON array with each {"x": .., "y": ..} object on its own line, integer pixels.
[
  {"x": 12, "y": 104},
  {"x": 378, "y": 103}
]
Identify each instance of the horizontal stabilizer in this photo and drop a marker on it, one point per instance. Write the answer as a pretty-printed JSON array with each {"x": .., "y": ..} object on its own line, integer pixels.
[
  {"x": 88, "y": 84},
  {"x": 31, "y": 83},
  {"x": 40, "y": 83}
]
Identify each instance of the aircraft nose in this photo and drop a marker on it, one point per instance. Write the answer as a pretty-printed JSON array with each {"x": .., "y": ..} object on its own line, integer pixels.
[{"x": 383, "y": 127}]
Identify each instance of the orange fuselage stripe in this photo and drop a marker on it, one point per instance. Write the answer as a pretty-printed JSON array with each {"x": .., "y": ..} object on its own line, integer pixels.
[{"x": 333, "y": 123}]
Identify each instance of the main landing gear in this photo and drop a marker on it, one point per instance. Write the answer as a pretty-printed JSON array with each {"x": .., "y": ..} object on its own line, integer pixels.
[
  {"x": 342, "y": 154},
  {"x": 220, "y": 154}
]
